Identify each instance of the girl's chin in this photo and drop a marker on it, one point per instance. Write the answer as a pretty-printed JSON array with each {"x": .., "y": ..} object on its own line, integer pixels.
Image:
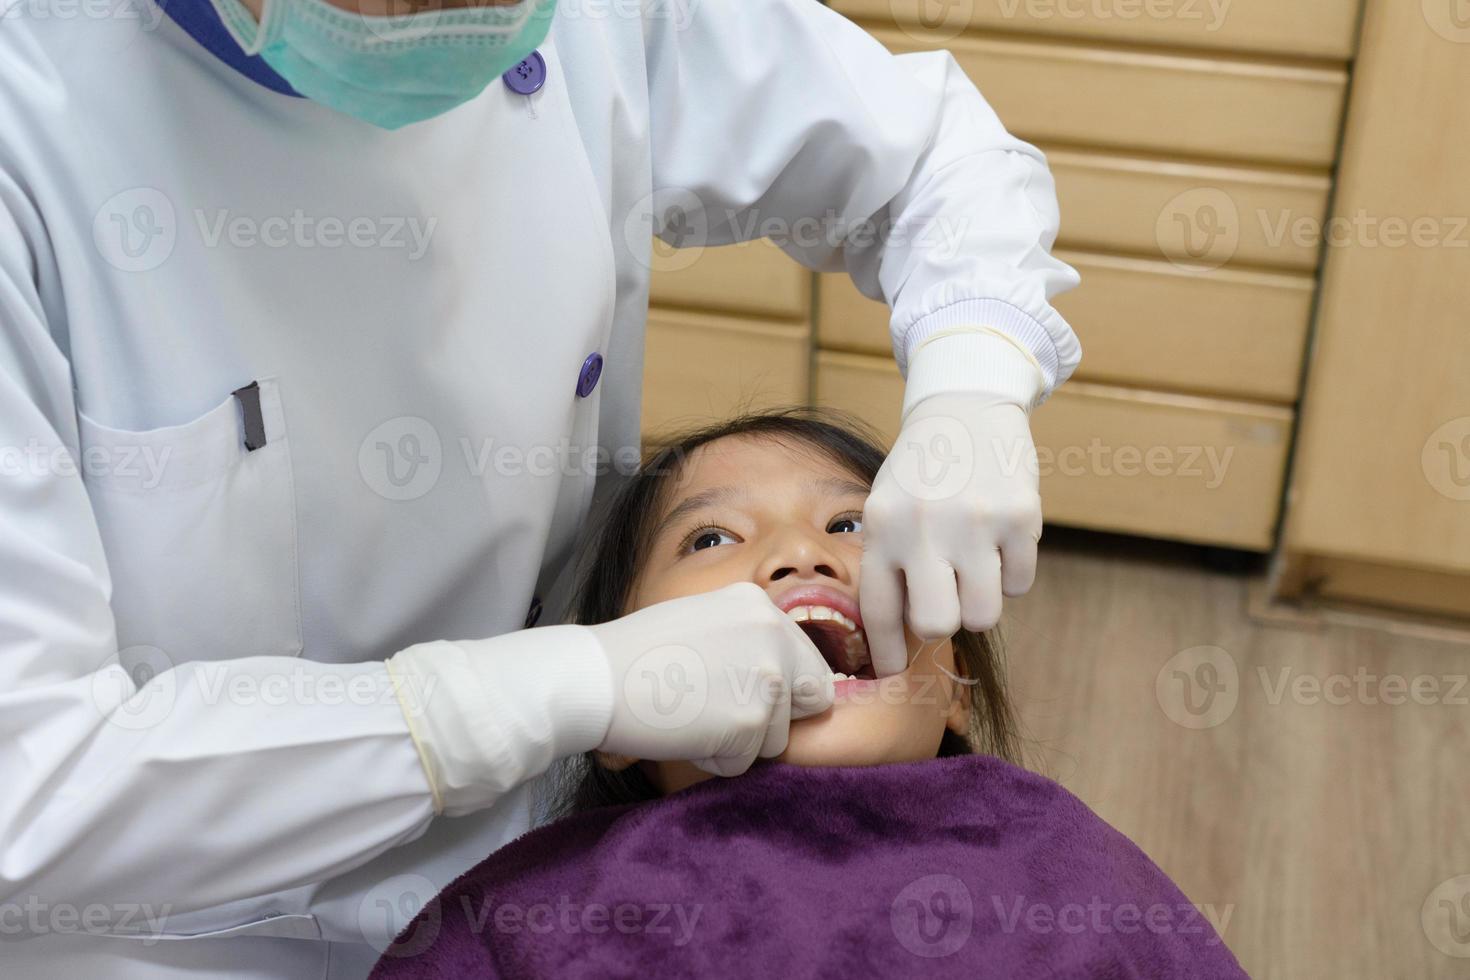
[
  {"x": 822, "y": 754},
  {"x": 853, "y": 735},
  {"x": 853, "y": 689}
]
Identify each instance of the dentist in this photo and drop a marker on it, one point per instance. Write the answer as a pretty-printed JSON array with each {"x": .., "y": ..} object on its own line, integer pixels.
[{"x": 321, "y": 328}]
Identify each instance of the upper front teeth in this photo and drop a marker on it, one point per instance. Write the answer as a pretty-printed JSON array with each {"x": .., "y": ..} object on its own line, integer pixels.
[{"x": 802, "y": 614}]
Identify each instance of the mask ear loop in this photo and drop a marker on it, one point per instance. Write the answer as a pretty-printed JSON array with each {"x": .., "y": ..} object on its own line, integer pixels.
[
  {"x": 238, "y": 20},
  {"x": 268, "y": 10}
]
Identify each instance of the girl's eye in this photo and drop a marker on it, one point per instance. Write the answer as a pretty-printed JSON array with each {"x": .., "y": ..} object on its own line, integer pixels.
[
  {"x": 846, "y": 525},
  {"x": 709, "y": 538}
]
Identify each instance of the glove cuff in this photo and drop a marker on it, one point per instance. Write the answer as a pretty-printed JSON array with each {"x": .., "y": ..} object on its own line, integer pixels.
[
  {"x": 487, "y": 715},
  {"x": 974, "y": 360}
]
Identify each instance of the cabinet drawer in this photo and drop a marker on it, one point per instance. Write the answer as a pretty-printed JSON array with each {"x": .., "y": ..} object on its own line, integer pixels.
[
  {"x": 701, "y": 367},
  {"x": 1144, "y": 322},
  {"x": 1121, "y": 459},
  {"x": 1240, "y": 333},
  {"x": 749, "y": 277},
  {"x": 1200, "y": 215},
  {"x": 1132, "y": 99},
  {"x": 1307, "y": 28}
]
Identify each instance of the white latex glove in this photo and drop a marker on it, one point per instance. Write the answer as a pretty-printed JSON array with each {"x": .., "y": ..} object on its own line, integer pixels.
[
  {"x": 954, "y": 516},
  {"x": 715, "y": 679}
]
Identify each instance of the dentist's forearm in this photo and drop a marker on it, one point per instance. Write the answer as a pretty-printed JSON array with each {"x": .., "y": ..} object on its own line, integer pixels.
[{"x": 488, "y": 715}]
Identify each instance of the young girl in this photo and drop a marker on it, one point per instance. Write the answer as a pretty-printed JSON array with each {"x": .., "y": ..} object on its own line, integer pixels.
[
  {"x": 893, "y": 837},
  {"x": 777, "y": 499}
]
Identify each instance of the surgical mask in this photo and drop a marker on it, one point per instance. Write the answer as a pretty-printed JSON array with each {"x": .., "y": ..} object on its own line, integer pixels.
[{"x": 395, "y": 70}]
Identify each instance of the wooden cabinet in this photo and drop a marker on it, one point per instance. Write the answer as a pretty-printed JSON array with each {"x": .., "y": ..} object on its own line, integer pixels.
[
  {"x": 1194, "y": 163},
  {"x": 1380, "y": 502}
]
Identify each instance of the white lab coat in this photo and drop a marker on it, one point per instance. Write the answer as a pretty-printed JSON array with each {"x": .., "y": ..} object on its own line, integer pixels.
[{"x": 204, "y": 770}]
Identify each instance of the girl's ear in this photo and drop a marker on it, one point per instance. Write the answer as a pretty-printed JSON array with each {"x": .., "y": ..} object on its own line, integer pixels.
[
  {"x": 958, "y": 720},
  {"x": 613, "y": 763}
]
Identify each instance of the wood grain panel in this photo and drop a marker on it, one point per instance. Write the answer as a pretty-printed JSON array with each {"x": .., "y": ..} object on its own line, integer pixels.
[
  {"x": 1198, "y": 215},
  {"x": 699, "y": 367},
  {"x": 1302, "y": 28},
  {"x": 1140, "y": 99},
  {"x": 752, "y": 277},
  {"x": 1146, "y": 323}
]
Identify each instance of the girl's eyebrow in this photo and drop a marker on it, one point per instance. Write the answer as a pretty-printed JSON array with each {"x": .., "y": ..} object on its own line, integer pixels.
[{"x": 723, "y": 495}]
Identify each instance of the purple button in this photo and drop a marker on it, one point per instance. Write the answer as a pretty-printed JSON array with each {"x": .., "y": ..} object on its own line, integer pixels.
[
  {"x": 591, "y": 371},
  {"x": 528, "y": 76}
]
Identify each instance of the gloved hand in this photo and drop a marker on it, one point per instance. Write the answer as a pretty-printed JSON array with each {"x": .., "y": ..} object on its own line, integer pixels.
[
  {"x": 714, "y": 679},
  {"x": 952, "y": 523}
]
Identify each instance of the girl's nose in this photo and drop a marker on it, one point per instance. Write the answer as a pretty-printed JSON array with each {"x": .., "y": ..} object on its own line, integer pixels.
[{"x": 800, "y": 554}]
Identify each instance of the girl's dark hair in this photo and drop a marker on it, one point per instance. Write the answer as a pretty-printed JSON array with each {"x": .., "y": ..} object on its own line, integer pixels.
[{"x": 613, "y": 558}]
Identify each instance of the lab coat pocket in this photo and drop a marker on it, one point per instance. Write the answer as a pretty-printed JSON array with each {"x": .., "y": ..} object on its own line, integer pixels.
[{"x": 199, "y": 531}]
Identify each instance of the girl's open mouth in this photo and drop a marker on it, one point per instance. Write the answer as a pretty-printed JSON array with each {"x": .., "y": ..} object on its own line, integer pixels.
[{"x": 841, "y": 641}]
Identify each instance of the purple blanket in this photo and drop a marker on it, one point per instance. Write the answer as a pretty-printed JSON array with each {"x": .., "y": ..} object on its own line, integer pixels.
[{"x": 958, "y": 867}]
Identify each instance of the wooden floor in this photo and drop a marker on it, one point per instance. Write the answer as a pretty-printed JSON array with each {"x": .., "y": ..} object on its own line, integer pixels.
[{"x": 1321, "y": 828}]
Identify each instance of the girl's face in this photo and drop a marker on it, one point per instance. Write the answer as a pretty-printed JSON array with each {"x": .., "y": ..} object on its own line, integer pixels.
[{"x": 780, "y": 514}]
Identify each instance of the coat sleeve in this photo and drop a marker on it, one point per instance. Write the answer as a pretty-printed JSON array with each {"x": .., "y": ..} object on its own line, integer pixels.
[
  {"x": 120, "y": 789},
  {"x": 782, "y": 119}
]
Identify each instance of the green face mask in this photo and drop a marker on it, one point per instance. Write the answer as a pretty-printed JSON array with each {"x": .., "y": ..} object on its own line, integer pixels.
[{"x": 389, "y": 71}]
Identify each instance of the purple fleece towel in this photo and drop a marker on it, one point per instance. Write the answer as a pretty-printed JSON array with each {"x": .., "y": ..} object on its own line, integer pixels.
[{"x": 957, "y": 867}]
